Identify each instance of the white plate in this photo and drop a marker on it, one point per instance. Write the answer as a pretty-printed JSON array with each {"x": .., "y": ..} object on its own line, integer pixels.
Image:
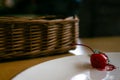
[{"x": 70, "y": 68}]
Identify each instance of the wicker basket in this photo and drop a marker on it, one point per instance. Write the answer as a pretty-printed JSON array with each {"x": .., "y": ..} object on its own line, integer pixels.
[{"x": 26, "y": 37}]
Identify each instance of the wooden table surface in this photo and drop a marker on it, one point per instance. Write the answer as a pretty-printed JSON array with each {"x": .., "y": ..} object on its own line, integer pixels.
[{"x": 106, "y": 44}]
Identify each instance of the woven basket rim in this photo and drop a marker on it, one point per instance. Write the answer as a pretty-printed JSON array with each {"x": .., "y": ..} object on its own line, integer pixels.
[{"x": 33, "y": 20}]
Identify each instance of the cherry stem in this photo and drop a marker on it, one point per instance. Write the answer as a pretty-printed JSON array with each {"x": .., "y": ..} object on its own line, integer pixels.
[{"x": 86, "y": 46}]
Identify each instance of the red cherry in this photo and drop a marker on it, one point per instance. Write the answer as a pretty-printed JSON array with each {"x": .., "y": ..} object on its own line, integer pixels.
[{"x": 99, "y": 61}]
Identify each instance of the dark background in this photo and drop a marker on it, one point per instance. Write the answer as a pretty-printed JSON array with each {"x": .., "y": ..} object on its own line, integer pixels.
[
  {"x": 100, "y": 18},
  {"x": 97, "y": 17}
]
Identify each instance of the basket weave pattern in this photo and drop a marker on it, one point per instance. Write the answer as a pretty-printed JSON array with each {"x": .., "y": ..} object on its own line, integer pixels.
[{"x": 24, "y": 37}]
